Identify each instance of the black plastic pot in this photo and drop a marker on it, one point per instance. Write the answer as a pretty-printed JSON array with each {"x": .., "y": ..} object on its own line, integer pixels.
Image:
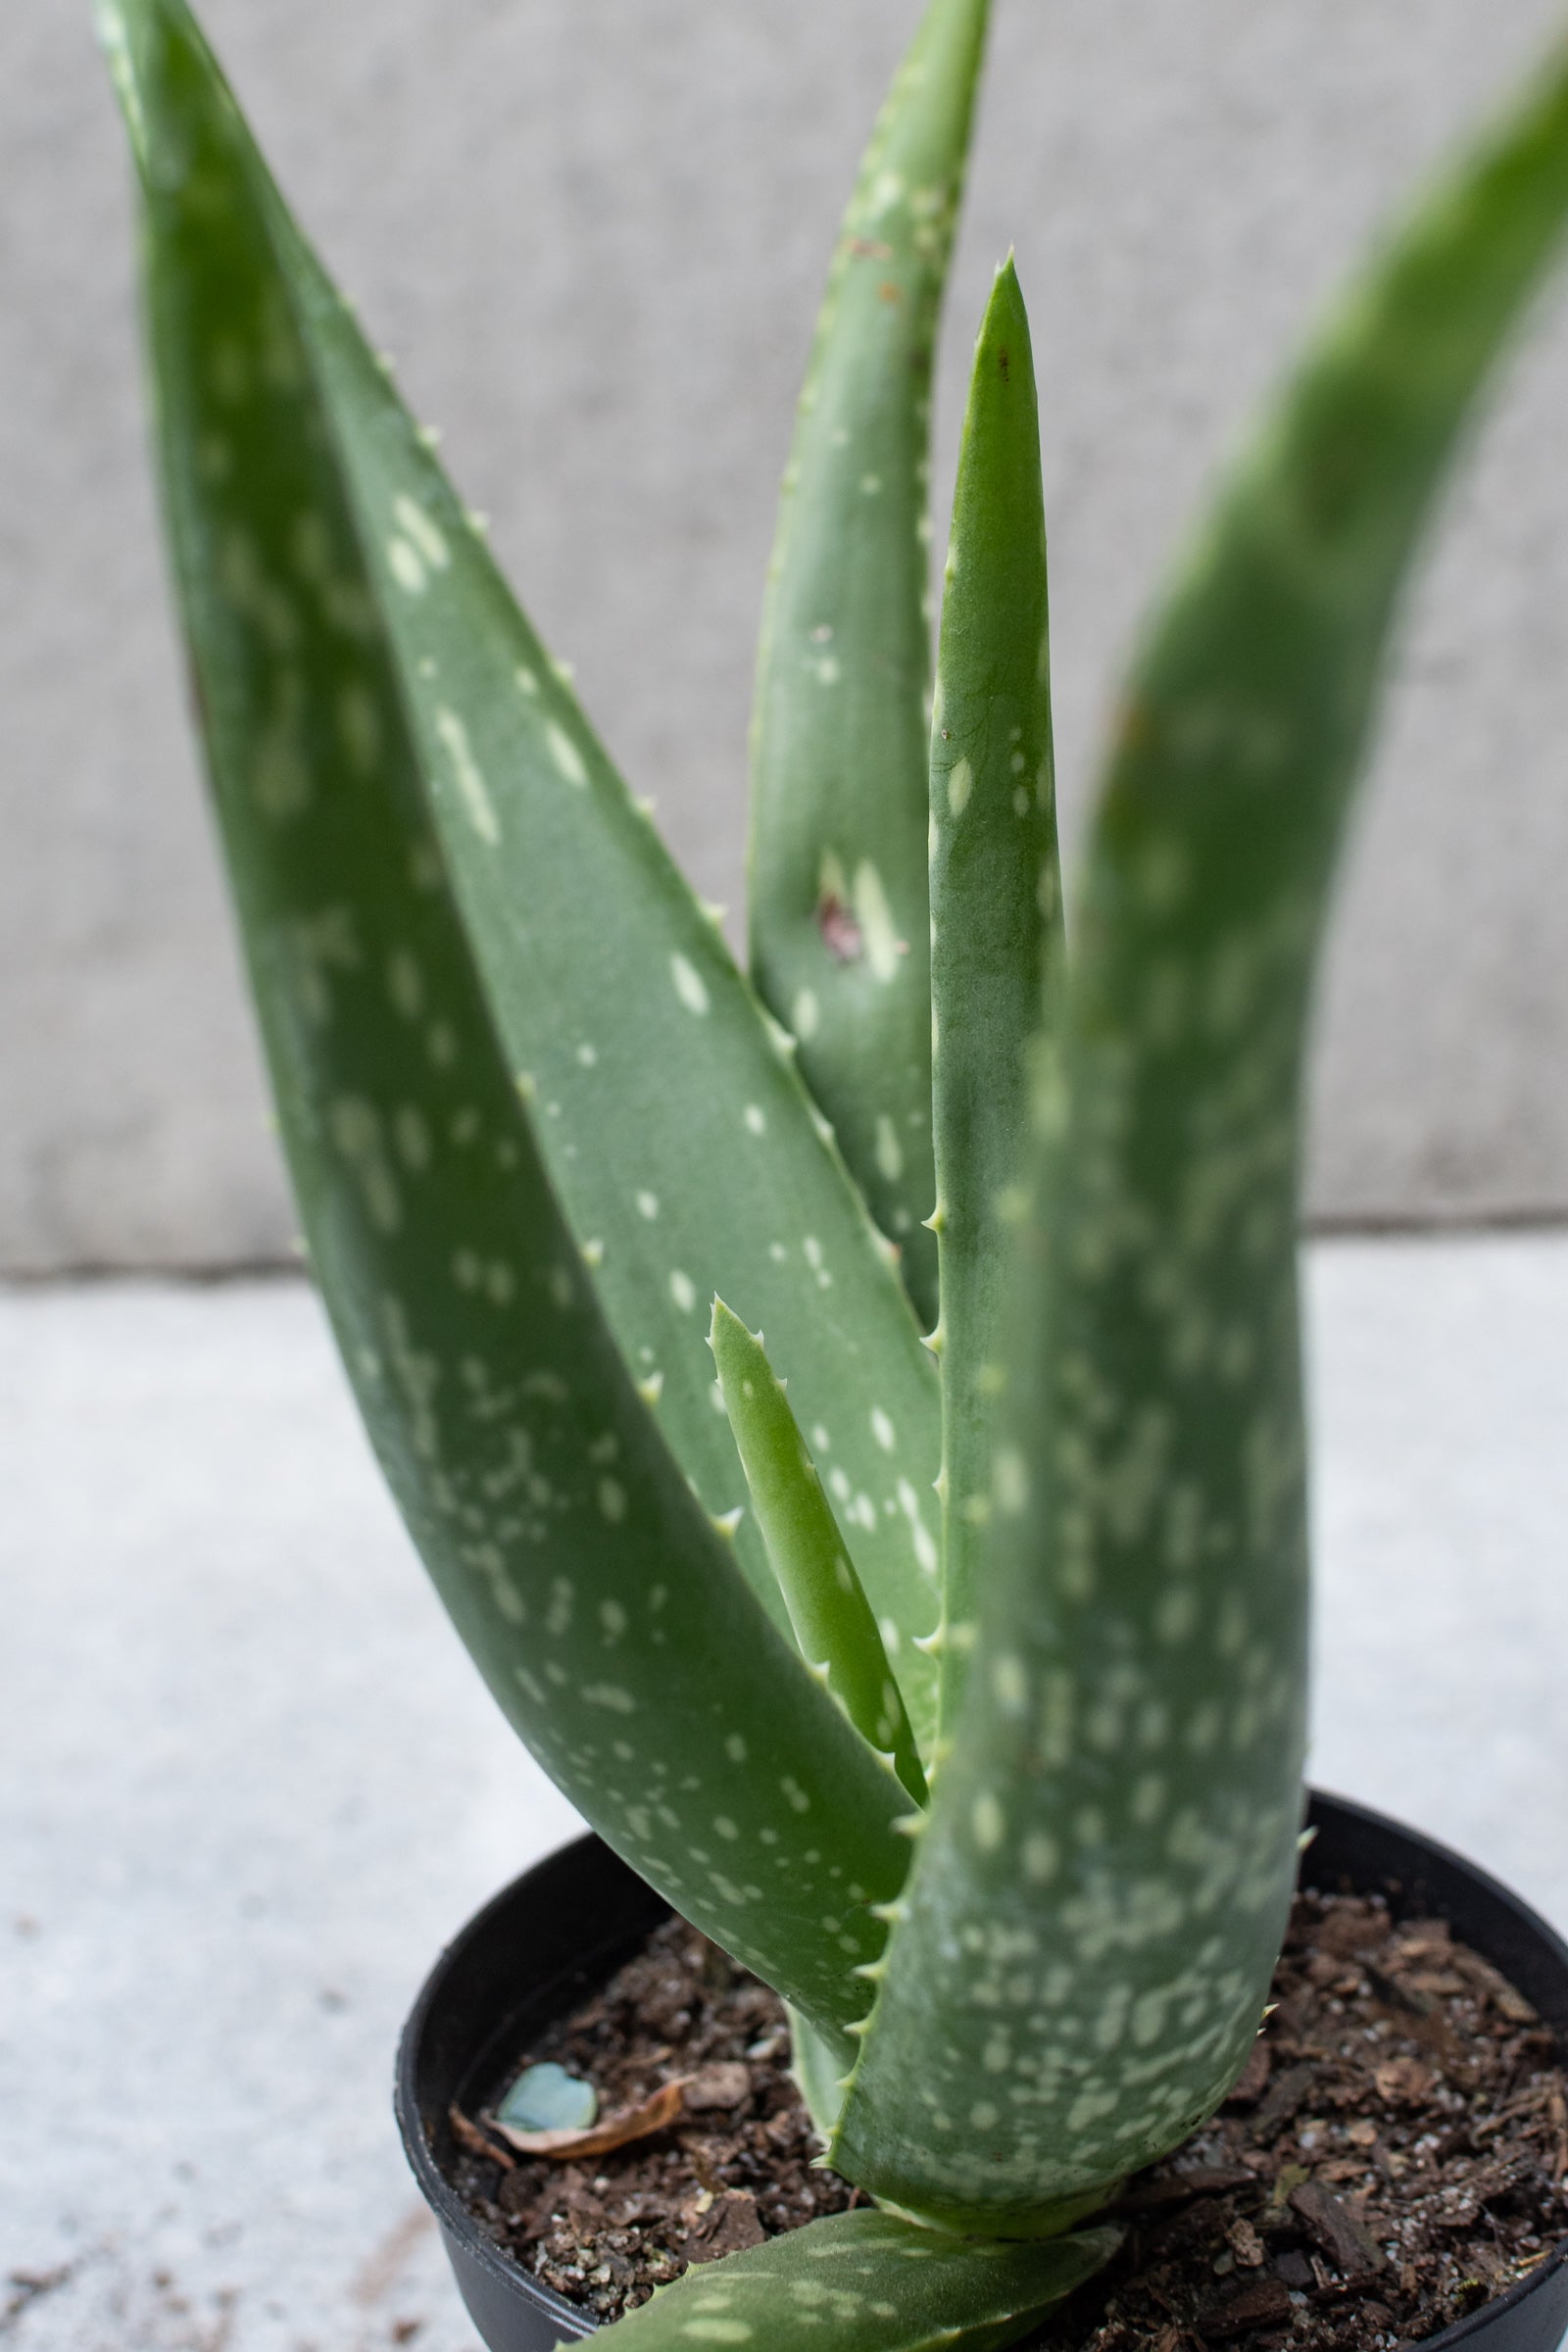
[{"x": 562, "y": 1928}]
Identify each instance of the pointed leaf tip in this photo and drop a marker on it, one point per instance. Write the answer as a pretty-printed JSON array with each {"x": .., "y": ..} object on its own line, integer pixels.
[
  {"x": 995, "y": 937},
  {"x": 838, "y": 917},
  {"x": 115, "y": 32}
]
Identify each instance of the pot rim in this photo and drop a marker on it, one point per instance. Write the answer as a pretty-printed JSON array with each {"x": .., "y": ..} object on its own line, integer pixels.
[{"x": 457, "y": 2221}]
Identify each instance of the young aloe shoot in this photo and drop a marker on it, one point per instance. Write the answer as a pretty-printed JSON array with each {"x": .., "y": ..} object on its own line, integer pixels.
[
  {"x": 999, "y": 1786},
  {"x": 828, "y": 1609},
  {"x": 996, "y": 925}
]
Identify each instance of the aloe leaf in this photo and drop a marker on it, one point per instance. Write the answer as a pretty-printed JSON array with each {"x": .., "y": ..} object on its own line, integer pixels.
[
  {"x": 839, "y": 741},
  {"x": 832, "y": 1618},
  {"x": 822, "y": 2075},
  {"x": 1085, "y": 1946},
  {"x": 996, "y": 920},
  {"x": 604, "y": 1610},
  {"x": 866, "y": 2282},
  {"x": 678, "y": 1140}
]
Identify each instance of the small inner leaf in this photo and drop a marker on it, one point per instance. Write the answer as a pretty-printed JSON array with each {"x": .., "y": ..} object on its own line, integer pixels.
[
  {"x": 546, "y": 2098},
  {"x": 826, "y": 1602}
]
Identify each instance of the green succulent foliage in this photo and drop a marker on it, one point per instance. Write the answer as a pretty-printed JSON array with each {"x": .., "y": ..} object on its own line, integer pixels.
[
  {"x": 551, "y": 862},
  {"x": 996, "y": 922},
  {"x": 1085, "y": 1946},
  {"x": 607, "y": 1612},
  {"x": 838, "y": 853},
  {"x": 535, "y": 1117},
  {"x": 832, "y": 1618},
  {"x": 620, "y": 1009},
  {"x": 866, "y": 2277}
]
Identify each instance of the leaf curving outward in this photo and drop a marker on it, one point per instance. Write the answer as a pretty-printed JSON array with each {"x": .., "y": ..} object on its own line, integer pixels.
[
  {"x": 857, "y": 2280},
  {"x": 996, "y": 922},
  {"x": 1084, "y": 1947},
  {"x": 604, "y": 1609},
  {"x": 828, "y": 1609},
  {"x": 675, "y": 1134},
  {"x": 839, "y": 741}
]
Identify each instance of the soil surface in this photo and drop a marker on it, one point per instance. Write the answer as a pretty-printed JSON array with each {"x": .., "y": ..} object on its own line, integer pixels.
[{"x": 1394, "y": 2154}]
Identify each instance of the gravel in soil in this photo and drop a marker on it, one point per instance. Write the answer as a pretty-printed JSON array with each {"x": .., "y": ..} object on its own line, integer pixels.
[{"x": 1394, "y": 2154}]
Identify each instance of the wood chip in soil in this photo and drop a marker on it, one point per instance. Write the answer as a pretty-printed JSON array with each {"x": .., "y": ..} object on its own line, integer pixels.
[{"x": 1394, "y": 2154}]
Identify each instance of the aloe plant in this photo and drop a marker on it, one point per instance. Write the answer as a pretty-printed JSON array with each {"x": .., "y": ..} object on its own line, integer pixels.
[{"x": 956, "y": 1688}]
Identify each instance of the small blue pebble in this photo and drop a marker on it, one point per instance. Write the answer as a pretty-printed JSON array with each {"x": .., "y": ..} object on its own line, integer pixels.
[{"x": 546, "y": 2098}]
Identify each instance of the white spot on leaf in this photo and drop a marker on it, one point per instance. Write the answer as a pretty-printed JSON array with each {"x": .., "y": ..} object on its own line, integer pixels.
[
  {"x": 688, "y": 985},
  {"x": 883, "y": 946},
  {"x": 472, "y": 785},
  {"x": 404, "y": 563},
  {"x": 1040, "y": 1857},
  {"x": 1010, "y": 1481},
  {"x": 987, "y": 1821},
  {"x": 418, "y": 528},
  {"x": 889, "y": 1152},
  {"x": 565, "y": 753}
]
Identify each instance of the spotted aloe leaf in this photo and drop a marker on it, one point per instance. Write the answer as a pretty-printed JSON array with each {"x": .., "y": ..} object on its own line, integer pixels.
[
  {"x": 996, "y": 919},
  {"x": 1085, "y": 1946},
  {"x": 607, "y": 1612},
  {"x": 828, "y": 1609},
  {"x": 855, "y": 2279},
  {"x": 838, "y": 905},
  {"x": 621, "y": 1016}
]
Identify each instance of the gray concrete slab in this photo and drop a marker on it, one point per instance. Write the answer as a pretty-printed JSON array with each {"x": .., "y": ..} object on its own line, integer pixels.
[
  {"x": 248, "y": 1781},
  {"x": 595, "y": 237},
  {"x": 1439, "y": 1390},
  {"x": 251, "y": 1786}
]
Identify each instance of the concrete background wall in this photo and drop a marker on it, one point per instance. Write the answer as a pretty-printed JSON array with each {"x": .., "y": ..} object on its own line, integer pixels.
[{"x": 594, "y": 235}]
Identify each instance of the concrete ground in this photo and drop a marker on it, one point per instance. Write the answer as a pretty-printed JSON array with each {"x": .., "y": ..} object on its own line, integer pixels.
[{"x": 252, "y": 1782}]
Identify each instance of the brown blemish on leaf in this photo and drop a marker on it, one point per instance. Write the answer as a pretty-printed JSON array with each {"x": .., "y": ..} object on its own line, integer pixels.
[{"x": 841, "y": 933}]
